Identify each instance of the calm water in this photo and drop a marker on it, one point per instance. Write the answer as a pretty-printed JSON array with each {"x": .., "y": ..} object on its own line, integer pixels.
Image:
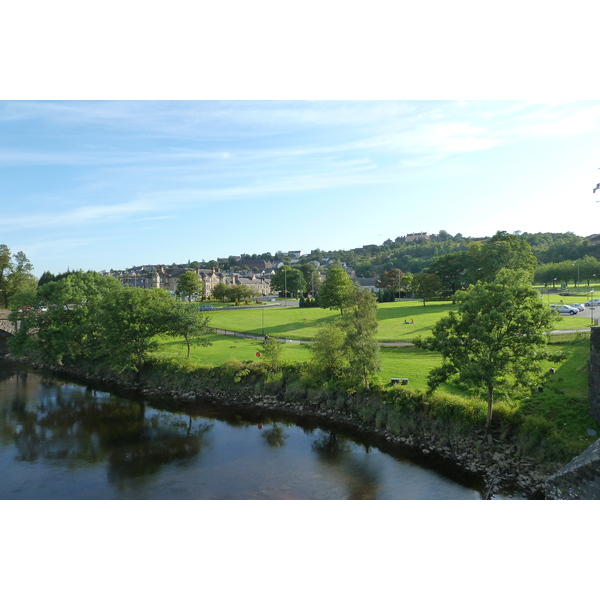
[{"x": 60, "y": 440}]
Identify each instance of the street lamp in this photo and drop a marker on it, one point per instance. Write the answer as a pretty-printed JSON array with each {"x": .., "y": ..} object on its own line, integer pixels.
[{"x": 592, "y": 305}]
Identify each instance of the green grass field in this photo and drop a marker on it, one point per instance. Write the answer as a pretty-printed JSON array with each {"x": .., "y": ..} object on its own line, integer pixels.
[
  {"x": 302, "y": 323},
  {"x": 562, "y": 401}
]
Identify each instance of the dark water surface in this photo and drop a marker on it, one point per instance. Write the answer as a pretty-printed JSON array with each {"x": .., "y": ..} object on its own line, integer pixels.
[{"x": 61, "y": 440}]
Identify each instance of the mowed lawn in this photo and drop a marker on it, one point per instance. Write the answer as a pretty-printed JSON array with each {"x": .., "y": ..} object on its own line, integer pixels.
[
  {"x": 303, "y": 323},
  {"x": 293, "y": 323},
  {"x": 410, "y": 363}
]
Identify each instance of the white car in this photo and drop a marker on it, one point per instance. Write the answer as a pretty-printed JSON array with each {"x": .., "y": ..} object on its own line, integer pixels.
[
  {"x": 594, "y": 302},
  {"x": 578, "y": 306},
  {"x": 565, "y": 308}
]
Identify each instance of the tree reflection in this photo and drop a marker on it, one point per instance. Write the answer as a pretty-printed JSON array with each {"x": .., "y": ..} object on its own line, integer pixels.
[
  {"x": 168, "y": 438},
  {"x": 70, "y": 423},
  {"x": 275, "y": 435},
  {"x": 357, "y": 474}
]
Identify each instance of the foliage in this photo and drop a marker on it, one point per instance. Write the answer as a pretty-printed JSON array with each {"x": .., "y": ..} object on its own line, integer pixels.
[
  {"x": 190, "y": 286},
  {"x": 360, "y": 345},
  {"x": 238, "y": 293},
  {"x": 185, "y": 321},
  {"x": 62, "y": 322},
  {"x": 495, "y": 339},
  {"x": 311, "y": 277},
  {"x": 271, "y": 353},
  {"x": 584, "y": 269},
  {"x": 15, "y": 275},
  {"x": 426, "y": 286},
  {"x": 89, "y": 318},
  {"x": 482, "y": 261},
  {"x": 219, "y": 291},
  {"x": 337, "y": 290},
  {"x": 329, "y": 361},
  {"x": 390, "y": 280},
  {"x": 288, "y": 280}
]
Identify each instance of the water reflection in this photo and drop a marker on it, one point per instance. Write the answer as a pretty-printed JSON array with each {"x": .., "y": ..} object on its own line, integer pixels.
[{"x": 60, "y": 440}]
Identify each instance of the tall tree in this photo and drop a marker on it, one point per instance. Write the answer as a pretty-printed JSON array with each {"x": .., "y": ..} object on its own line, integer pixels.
[
  {"x": 311, "y": 277},
  {"x": 219, "y": 292},
  {"x": 130, "y": 319},
  {"x": 426, "y": 286},
  {"x": 15, "y": 275},
  {"x": 329, "y": 362},
  {"x": 271, "y": 353},
  {"x": 361, "y": 345},
  {"x": 495, "y": 339},
  {"x": 336, "y": 290},
  {"x": 390, "y": 280},
  {"x": 190, "y": 286},
  {"x": 288, "y": 279},
  {"x": 502, "y": 251},
  {"x": 63, "y": 323},
  {"x": 185, "y": 321}
]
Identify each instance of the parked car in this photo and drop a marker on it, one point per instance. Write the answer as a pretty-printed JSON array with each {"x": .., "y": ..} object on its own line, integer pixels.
[
  {"x": 594, "y": 302},
  {"x": 578, "y": 306},
  {"x": 565, "y": 309}
]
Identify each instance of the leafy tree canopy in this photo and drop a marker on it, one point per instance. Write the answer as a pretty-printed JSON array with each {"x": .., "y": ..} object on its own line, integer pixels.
[
  {"x": 336, "y": 290},
  {"x": 495, "y": 339}
]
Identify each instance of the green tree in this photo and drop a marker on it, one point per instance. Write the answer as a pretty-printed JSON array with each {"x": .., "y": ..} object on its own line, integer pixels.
[
  {"x": 361, "y": 346},
  {"x": 312, "y": 278},
  {"x": 426, "y": 286},
  {"x": 220, "y": 291},
  {"x": 185, "y": 321},
  {"x": 271, "y": 353},
  {"x": 336, "y": 290},
  {"x": 63, "y": 323},
  {"x": 502, "y": 251},
  {"x": 190, "y": 286},
  {"x": 288, "y": 279},
  {"x": 239, "y": 293},
  {"x": 452, "y": 269},
  {"x": 496, "y": 338},
  {"x": 329, "y": 362},
  {"x": 130, "y": 319},
  {"x": 15, "y": 275},
  {"x": 390, "y": 280}
]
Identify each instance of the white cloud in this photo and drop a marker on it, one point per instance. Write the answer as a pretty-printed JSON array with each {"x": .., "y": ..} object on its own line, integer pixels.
[{"x": 79, "y": 216}]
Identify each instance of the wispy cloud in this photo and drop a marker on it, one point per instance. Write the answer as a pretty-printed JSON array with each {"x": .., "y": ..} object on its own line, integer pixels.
[{"x": 79, "y": 216}]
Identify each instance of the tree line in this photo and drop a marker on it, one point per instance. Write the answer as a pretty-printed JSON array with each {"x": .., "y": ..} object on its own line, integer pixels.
[{"x": 85, "y": 318}]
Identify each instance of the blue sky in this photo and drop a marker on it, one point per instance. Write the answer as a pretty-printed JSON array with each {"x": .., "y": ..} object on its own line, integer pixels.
[{"x": 111, "y": 184}]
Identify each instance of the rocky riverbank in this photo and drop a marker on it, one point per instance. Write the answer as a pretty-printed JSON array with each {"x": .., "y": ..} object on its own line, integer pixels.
[{"x": 486, "y": 456}]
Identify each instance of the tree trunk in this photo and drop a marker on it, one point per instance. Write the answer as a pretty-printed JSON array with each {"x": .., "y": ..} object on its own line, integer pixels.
[{"x": 488, "y": 420}]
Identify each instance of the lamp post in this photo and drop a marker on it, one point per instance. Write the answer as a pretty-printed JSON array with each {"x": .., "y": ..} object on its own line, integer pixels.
[{"x": 592, "y": 305}]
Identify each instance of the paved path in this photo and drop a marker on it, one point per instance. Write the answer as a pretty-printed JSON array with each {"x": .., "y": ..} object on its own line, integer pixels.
[{"x": 252, "y": 336}]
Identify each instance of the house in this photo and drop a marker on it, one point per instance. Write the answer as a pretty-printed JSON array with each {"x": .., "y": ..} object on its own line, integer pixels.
[{"x": 413, "y": 237}]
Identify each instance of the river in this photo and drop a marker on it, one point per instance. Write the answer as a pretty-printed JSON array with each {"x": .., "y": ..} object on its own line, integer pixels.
[{"x": 64, "y": 440}]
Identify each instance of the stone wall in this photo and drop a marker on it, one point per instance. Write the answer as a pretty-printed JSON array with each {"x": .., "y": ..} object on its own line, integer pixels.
[
  {"x": 3, "y": 337},
  {"x": 579, "y": 480},
  {"x": 594, "y": 375}
]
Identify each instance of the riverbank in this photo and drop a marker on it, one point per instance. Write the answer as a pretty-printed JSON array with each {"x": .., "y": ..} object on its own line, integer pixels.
[{"x": 493, "y": 458}]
